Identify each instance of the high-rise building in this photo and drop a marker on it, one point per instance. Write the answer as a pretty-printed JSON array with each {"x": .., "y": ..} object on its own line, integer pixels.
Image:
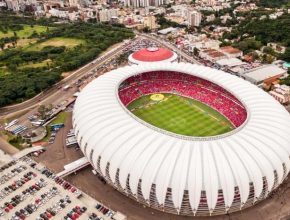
[
  {"x": 143, "y": 3},
  {"x": 107, "y": 14},
  {"x": 150, "y": 22},
  {"x": 13, "y": 5},
  {"x": 194, "y": 18},
  {"x": 210, "y": 2},
  {"x": 73, "y": 3},
  {"x": 137, "y": 3}
]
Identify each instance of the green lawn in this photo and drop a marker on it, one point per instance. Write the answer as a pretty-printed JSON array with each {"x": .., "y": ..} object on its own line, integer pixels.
[
  {"x": 26, "y": 32},
  {"x": 3, "y": 71},
  {"x": 56, "y": 42},
  {"x": 60, "y": 118},
  {"x": 35, "y": 65},
  {"x": 181, "y": 115},
  {"x": 14, "y": 140}
]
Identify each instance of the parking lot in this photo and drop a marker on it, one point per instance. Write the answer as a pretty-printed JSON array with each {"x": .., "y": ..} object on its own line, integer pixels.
[{"x": 29, "y": 190}]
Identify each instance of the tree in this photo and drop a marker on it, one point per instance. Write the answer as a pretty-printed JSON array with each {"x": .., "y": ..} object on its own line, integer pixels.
[
  {"x": 195, "y": 51},
  {"x": 286, "y": 80},
  {"x": 249, "y": 45},
  {"x": 266, "y": 58},
  {"x": 30, "y": 93},
  {"x": 42, "y": 111},
  {"x": 286, "y": 55},
  {"x": 268, "y": 50},
  {"x": 26, "y": 82},
  {"x": 12, "y": 67},
  {"x": 165, "y": 23},
  {"x": 16, "y": 61},
  {"x": 146, "y": 29},
  {"x": 272, "y": 3},
  {"x": 254, "y": 55},
  {"x": 2, "y": 45}
]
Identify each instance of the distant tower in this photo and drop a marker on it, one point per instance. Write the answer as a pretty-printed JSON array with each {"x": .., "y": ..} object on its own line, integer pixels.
[
  {"x": 143, "y": 3},
  {"x": 194, "y": 18},
  {"x": 73, "y": 3}
]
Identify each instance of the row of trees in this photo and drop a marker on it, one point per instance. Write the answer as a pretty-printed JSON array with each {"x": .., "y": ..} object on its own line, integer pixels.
[
  {"x": 11, "y": 21},
  {"x": 273, "y": 3},
  {"x": 165, "y": 23},
  {"x": 26, "y": 83},
  {"x": 6, "y": 40}
]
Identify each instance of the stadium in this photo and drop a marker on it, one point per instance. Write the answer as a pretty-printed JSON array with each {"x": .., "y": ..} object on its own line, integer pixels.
[{"x": 182, "y": 138}]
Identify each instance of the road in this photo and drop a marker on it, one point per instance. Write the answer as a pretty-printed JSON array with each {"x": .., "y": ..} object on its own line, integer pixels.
[
  {"x": 55, "y": 90},
  {"x": 171, "y": 47}
]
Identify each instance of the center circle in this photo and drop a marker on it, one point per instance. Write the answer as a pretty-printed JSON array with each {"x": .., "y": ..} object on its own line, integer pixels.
[{"x": 157, "y": 97}]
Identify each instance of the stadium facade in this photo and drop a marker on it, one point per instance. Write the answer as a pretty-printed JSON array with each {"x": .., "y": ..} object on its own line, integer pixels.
[
  {"x": 179, "y": 174},
  {"x": 152, "y": 54}
]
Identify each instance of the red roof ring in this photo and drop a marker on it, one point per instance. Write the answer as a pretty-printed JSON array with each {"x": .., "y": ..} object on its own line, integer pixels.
[{"x": 152, "y": 54}]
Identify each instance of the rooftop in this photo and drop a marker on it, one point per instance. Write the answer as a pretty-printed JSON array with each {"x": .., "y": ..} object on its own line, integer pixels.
[
  {"x": 264, "y": 72},
  {"x": 230, "y": 62},
  {"x": 229, "y": 49},
  {"x": 152, "y": 54}
]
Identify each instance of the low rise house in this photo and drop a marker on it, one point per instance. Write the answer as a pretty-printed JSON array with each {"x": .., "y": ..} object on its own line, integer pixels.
[
  {"x": 277, "y": 47},
  {"x": 212, "y": 55},
  {"x": 231, "y": 52},
  {"x": 281, "y": 93}
]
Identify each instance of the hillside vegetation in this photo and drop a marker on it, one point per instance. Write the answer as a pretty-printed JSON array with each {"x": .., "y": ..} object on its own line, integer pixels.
[
  {"x": 253, "y": 33},
  {"x": 273, "y": 3}
]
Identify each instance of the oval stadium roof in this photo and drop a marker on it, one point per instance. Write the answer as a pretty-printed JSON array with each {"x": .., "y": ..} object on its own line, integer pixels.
[{"x": 107, "y": 134}]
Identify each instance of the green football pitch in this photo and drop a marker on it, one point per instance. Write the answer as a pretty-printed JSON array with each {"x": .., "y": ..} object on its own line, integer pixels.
[{"x": 180, "y": 115}]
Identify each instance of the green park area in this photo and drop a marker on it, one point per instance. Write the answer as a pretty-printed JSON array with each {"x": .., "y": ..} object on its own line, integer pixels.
[
  {"x": 59, "y": 119},
  {"x": 42, "y": 46},
  {"x": 16, "y": 141},
  {"x": 34, "y": 53},
  {"x": 25, "y": 32},
  {"x": 56, "y": 42},
  {"x": 36, "y": 65}
]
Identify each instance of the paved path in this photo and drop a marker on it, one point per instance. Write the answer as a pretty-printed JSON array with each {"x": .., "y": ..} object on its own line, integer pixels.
[
  {"x": 73, "y": 167},
  {"x": 172, "y": 47},
  {"x": 27, "y": 151},
  {"x": 6, "y": 147},
  {"x": 274, "y": 208}
]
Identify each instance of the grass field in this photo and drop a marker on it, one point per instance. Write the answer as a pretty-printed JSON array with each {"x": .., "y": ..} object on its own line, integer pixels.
[
  {"x": 35, "y": 65},
  {"x": 56, "y": 42},
  {"x": 3, "y": 71},
  {"x": 26, "y": 32},
  {"x": 181, "y": 115},
  {"x": 60, "y": 118}
]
